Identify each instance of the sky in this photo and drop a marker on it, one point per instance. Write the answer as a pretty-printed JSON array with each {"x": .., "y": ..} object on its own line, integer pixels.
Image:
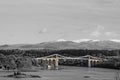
[{"x": 35, "y": 21}]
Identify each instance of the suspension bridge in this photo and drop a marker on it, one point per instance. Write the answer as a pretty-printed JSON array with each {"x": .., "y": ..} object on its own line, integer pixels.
[{"x": 53, "y": 61}]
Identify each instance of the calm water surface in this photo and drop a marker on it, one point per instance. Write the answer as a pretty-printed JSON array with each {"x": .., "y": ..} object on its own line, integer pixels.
[{"x": 69, "y": 73}]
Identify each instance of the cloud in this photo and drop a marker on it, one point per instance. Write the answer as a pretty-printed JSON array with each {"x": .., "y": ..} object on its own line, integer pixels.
[
  {"x": 99, "y": 27},
  {"x": 115, "y": 40},
  {"x": 42, "y": 31},
  {"x": 59, "y": 40},
  {"x": 101, "y": 31},
  {"x": 105, "y": 2},
  {"x": 110, "y": 33},
  {"x": 97, "y": 32},
  {"x": 83, "y": 40}
]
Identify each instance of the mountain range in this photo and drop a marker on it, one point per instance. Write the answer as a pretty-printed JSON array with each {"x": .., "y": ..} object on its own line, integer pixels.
[{"x": 64, "y": 44}]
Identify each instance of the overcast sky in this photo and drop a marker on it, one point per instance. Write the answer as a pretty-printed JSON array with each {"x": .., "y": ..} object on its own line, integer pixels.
[{"x": 35, "y": 21}]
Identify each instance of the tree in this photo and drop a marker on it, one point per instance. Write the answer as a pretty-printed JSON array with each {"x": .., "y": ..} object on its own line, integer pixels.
[
  {"x": 11, "y": 61},
  {"x": 2, "y": 60}
]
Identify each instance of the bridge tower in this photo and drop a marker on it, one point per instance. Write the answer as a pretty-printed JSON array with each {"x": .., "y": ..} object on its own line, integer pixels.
[
  {"x": 89, "y": 61},
  {"x": 56, "y": 62},
  {"x": 49, "y": 62}
]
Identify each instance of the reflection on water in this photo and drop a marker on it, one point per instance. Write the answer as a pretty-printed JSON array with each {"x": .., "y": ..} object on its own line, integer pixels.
[{"x": 69, "y": 73}]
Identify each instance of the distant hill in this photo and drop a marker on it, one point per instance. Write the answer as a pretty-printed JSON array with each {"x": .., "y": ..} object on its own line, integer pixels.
[{"x": 58, "y": 45}]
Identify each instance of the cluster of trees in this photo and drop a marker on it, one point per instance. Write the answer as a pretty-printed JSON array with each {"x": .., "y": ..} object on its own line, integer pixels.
[
  {"x": 111, "y": 63},
  {"x": 12, "y": 62},
  {"x": 71, "y": 52}
]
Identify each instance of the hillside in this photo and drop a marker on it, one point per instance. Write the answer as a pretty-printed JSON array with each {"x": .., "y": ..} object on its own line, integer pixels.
[{"x": 58, "y": 45}]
